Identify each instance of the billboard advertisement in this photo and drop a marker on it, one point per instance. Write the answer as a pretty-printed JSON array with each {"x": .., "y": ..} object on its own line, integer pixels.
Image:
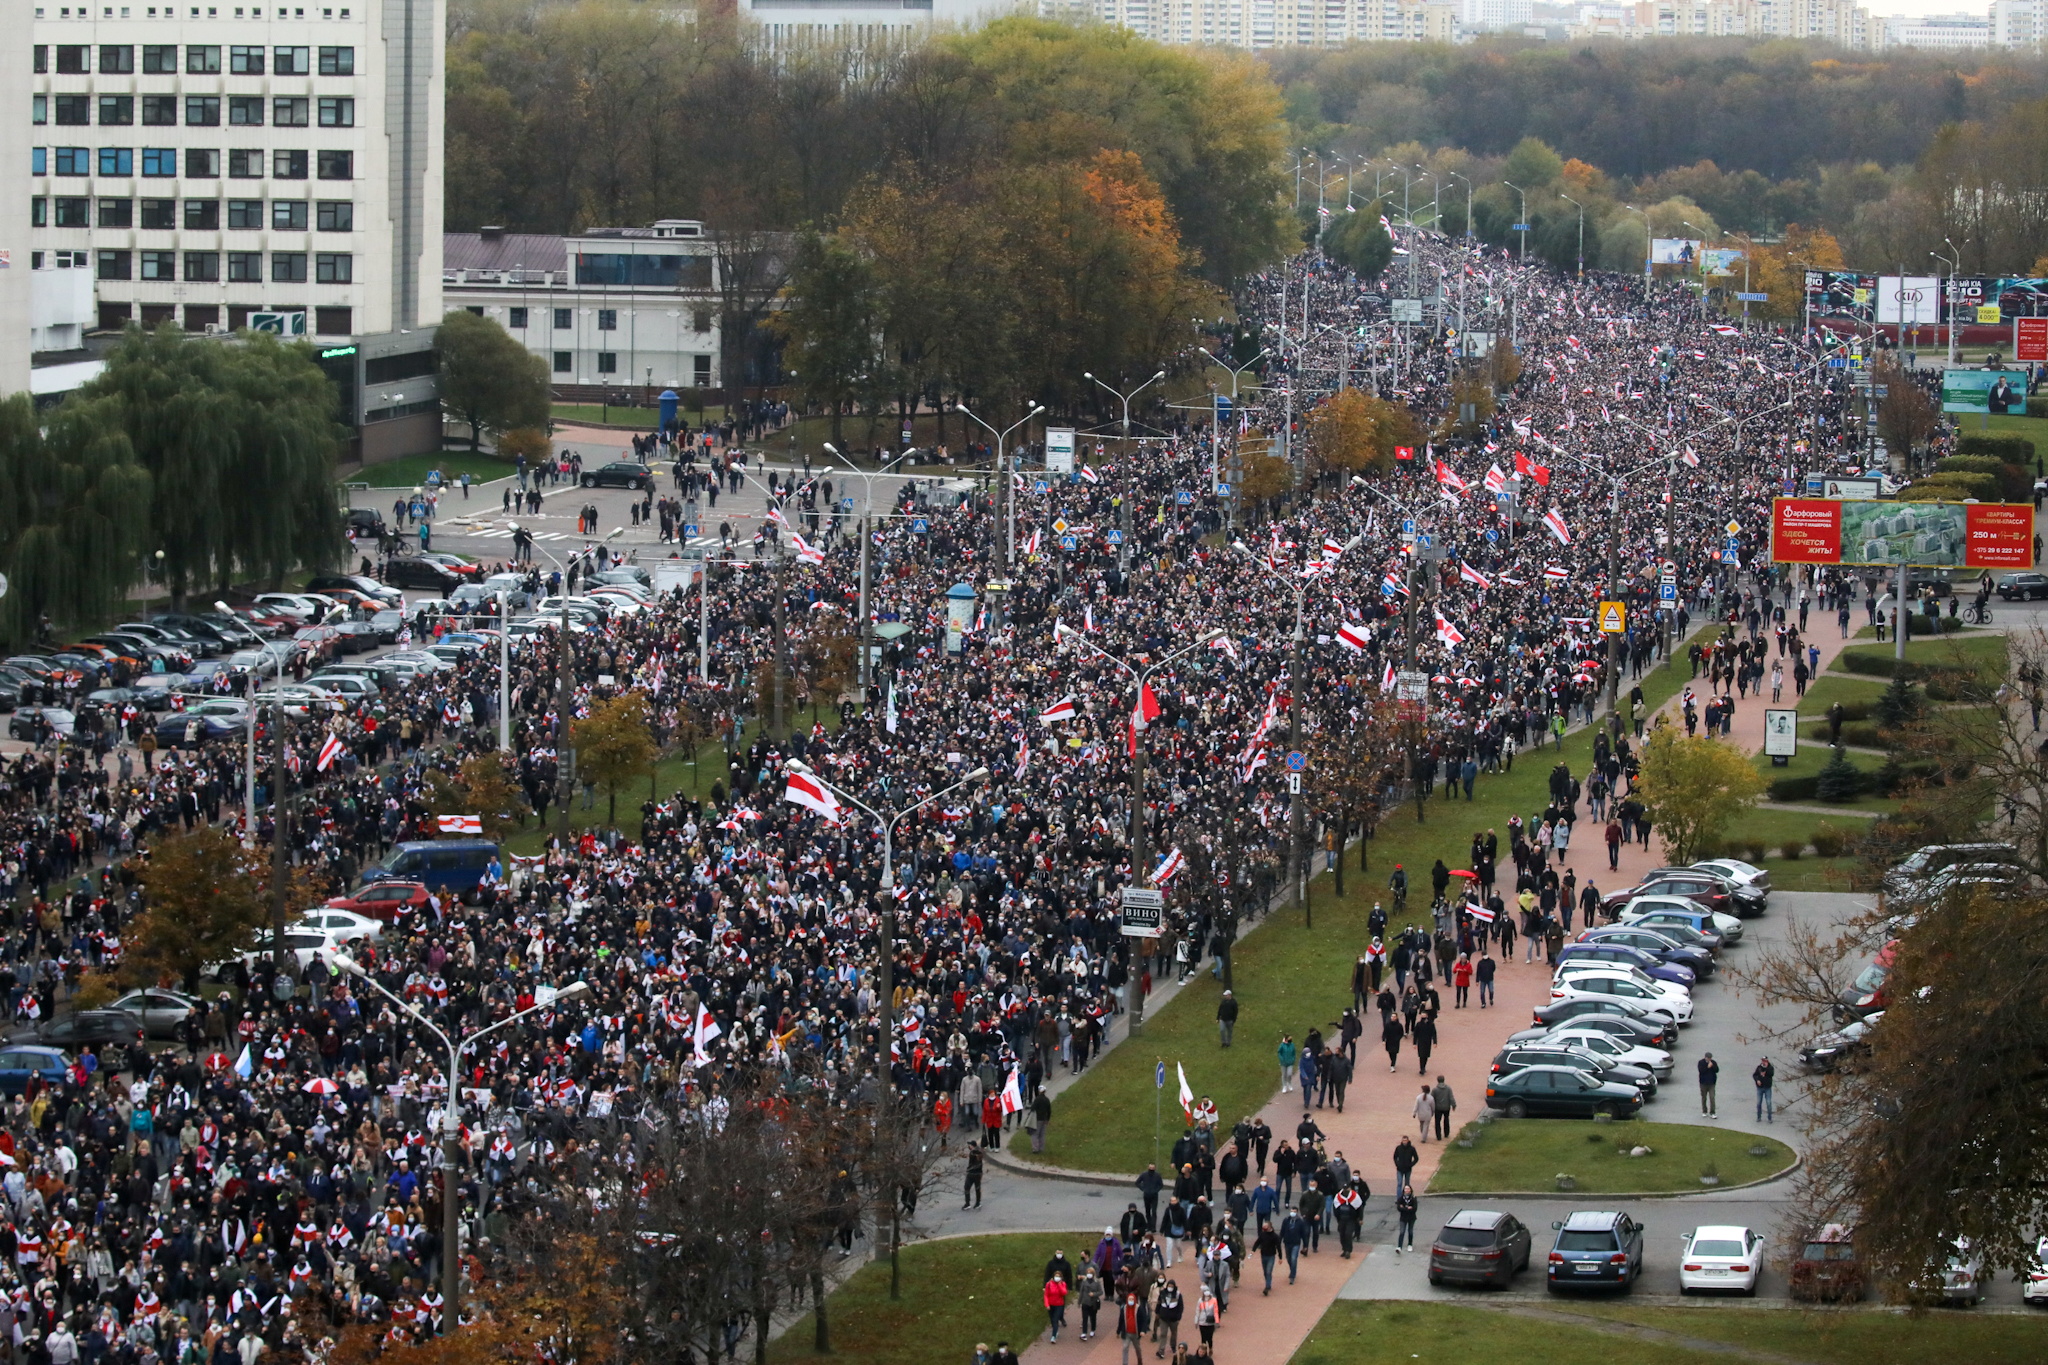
[
  {"x": 1914, "y": 300},
  {"x": 1839, "y": 293},
  {"x": 1674, "y": 250},
  {"x": 2030, "y": 340},
  {"x": 1720, "y": 260},
  {"x": 1987, "y": 391},
  {"x": 1943, "y": 535}
]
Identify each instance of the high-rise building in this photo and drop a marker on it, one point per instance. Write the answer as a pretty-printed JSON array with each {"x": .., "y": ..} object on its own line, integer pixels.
[
  {"x": 15, "y": 137},
  {"x": 2021, "y": 25},
  {"x": 208, "y": 163}
]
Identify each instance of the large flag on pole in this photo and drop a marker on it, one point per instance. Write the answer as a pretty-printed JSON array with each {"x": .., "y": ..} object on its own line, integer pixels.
[
  {"x": 1187, "y": 1094},
  {"x": 808, "y": 792}
]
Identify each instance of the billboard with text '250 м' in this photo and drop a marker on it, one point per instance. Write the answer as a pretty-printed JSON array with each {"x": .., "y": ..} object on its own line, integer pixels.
[{"x": 1946, "y": 535}]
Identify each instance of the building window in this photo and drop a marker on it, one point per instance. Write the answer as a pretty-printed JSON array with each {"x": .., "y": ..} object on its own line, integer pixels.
[
  {"x": 245, "y": 215},
  {"x": 39, "y": 109},
  {"x": 245, "y": 61},
  {"x": 334, "y": 267},
  {"x": 202, "y": 215},
  {"x": 700, "y": 371},
  {"x": 202, "y": 266},
  {"x": 336, "y": 111},
  {"x": 117, "y": 111},
  {"x": 245, "y": 111},
  {"x": 38, "y": 216},
  {"x": 334, "y": 322},
  {"x": 159, "y": 59},
  {"x": 202, "y": 111},
  {"x": 286, "y": 165},
  {"x": 607, "y": 362},
  {"x": 117, "y": 213},
  {"x": 333, "y": 165},
  {"x": 200, "y": 316},
  {"x": 159, "y": 265},
  {"x": 564, "y": 319},
  {"x": 607, "y": 319},
  {"x": 202, "y": 163},
  {"x": 562, "y": 359},
  {"x": 74, "y": 161},
  {"x": 74, "y": 111},
  {"x": 159, "y": 215},
  {"x": 73, "y": 211},
  {"x": 73, "y": 59},
  {"x": 700, "y": 320},
  {"x": 117, "y": 161},
  {"x": 287, "y": 267},
  {"x": 202, "y": 61},
  {"x": 288, "y": 112},
  {"x": 337, "y": 61},
  {"x": 245, "y": 163},
  {"x": 245, "y": 267},
  {"x": 160, "y": 161},
  {"x": 42, "y": 59},
  {"x": 515, "y": 318},
  {"x": 159, "y": 111},
  {"x": 39, "y": 161},
  {"x": 116, "y": 265},
  {"x": 292, "y": 61},
  {"x": 336, "y": 215},
  {"x": 117, "y": 60},
  {"x": 288, "y": 215}
]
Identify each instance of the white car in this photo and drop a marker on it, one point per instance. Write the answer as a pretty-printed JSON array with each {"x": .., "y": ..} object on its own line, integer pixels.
[
  {"x": 1962, "y": 1276},
  {"x": 304, "y": 942},
  {"x": 418, "y": 659},
  {"x": 300, "y": 606},
  {"x": 1604, "y": 979},
  {"x": 346, "y": 925},
  {"x": 301, "y": 699},
  {"x": 2034, "y": 1286},
  {"x": 351, "y": 685},
  {"x": 1721, "y": 1258},
  {"x": 1739, "y": 872},
  {"x": 1603, "y": 1044},
  {"x": 1727, "y": 926},
  {"x": 631, "y": 591}
]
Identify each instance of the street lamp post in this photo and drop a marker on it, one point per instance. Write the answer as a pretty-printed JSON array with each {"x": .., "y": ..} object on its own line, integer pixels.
[
  {"x": 1215, "y": 417},
  {"x": 249, "y": 776},
  {"x": 1649, "y": 244},
  {"x": 867, "y": 506},
  {"x": 1004, "y": 472},
  {"x": 1582, "y": 231},
  {"x": 1124, "y": 463},
  {"x": 1522, "y": 223},
  {"x": 451, "y": 1124}
]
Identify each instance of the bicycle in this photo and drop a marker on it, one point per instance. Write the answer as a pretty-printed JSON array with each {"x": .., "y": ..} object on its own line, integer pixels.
[{"x": 1977, "y": 614}]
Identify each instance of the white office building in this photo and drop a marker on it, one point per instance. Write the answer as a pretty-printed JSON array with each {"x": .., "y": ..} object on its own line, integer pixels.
[
  {"x": 208, "y": 162},
  {"x": 1938, "y": 32},
  {"x": 15, "y": 282},
  {"x": 862, "y": 23}
]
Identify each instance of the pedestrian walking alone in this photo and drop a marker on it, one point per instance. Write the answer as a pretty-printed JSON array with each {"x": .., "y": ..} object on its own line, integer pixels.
[{"x": 1710, "y": 1076}]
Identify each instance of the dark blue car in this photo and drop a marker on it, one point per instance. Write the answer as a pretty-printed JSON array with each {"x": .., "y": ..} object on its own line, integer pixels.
[
  {"x": 1596, "y": 950},
  {"x": 1657, "y": 944},
  {"x": 1596, "y": 1251},
  {"x": 19, "y": 1061}
]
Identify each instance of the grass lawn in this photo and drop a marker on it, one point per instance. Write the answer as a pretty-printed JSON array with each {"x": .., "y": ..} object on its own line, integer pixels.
[
  {"x": 1984, "y": 653},
  {"x": 1288, "y": 978},
  {"x": 1846, "y": 688},
  {"x": 614, "y": 415},
  {"x": 956, "y": 1292},
  {"x": 2035, "y": 429},
  {"x": 1396, "y": 1333},
  {"x": 671, "y": 775},
  {"x": 410, "y": 471},
  {"x": 1776, "y": 828},
  {"x": 1853, "y": 1337},
  {"x": 1811, "y": 758},
  {"x": 1809, "y": 874},
  {"x": 1529, "y": 1154}
]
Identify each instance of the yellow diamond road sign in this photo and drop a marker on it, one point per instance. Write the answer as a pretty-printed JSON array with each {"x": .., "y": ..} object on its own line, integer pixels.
[
  {"x": 1059, "y": 526},
  {"x": 1734, "y": 528},
  {"x": 1613, "y": 618}
]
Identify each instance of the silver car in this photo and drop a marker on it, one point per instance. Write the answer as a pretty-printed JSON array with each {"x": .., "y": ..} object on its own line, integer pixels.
[{"x": 160, "y": 1011}]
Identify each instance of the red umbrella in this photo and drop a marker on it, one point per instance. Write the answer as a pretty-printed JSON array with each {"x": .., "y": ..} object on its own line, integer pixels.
[
  {"x": 1461, "y": 872},
  {"x": 320, "y": 1085}
]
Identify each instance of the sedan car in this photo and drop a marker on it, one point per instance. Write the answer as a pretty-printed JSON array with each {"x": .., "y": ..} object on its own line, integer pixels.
[
  {"x": 1598, "y": 979},
  {"x": 19, "y": 1061},
  {"x": 619, "y": 474},
  {"x": 1596, "y": 1251},
  {"x": 362, "y": 583},
  {"x": 28, "y": 722},
  {"x": 1480, "y": 1246},
  {"x": 346, "y": 926},
  {"x": 1656, "y": 911},
  {"x": 350, "y": 685},
  {"x": 2034, "y": 1284},
  {"x": 1543, "y": 1052},
  {"x": 1739, "y": 872},
  {"x": 86, "y": 1028},
  {"x": 1601, "y": 1043},
  {"x": 216, "y": 719},
  {"x": 1622, "y": 954},
  {"x": 455, "y": 564},
  {"x": 411, "y": 571},
  {"x": 1960, "y": 1279},
  {"x": 160, "y": 1011},
  {"x": 384, "y": 901},
  {"x": 1656, "y": 943},
  {"x": 1720, "y": 1258},
  {"x": 2023, "y": 587},
  {"x": 1613, "y": 1013},
  {"x": 1560, "y": 1092},
  {"x": 1834, "y": 1048}
]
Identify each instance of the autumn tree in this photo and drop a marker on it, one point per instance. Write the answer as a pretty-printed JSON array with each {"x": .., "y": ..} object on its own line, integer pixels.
[
  {"x": 1692, "y": 786},
  {"x": 205, "y": 898},
  {"x": 1351, "y": 757},
  {"x": 829, "y": 324},
  {"x": 613, "y": 744},
  {"x": 1906, "y": 415},
  {"x": 484, "y": 787},
  {"x": 1779, "y": 271}
]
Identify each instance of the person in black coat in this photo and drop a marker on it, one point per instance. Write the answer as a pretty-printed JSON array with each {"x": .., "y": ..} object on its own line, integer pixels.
[{"x": 1390, "y": 1038}]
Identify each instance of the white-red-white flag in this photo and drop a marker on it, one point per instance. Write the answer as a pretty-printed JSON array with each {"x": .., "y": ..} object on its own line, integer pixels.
[
  {"x": 1013, "y": 1095},
  {"x": 1496, "y": 478},
  {"x": 808, "y": 792},
  {"x": 806, "y": 553},
  {"x": 1352, "y": 637},
  {"x": 1553, "y": 521},
  {"x": 462, "y": 824},
  {"x": 1469, "y": 574},
  {"x": 1063, "y": 709},
  {"x": 1187, "y": 1094},
  {"x": 1147, "y": 709},
  {"x": 329, "y": 751},
  {"x": 1556, "y": 572},
  {"x": 1387, "y": 678},
  {"x": 1447, "y": 633},
  {"x": 705, "y": 1029}
]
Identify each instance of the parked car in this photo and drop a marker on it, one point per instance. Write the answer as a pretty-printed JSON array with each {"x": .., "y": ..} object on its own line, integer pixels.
[
  {"x": 1659, "y": 997},
  {"x": 353, "y": 686},
  {"x": 1827, "y": 1269},
  {"x": 1709, "y": 889},
  {"x": 409, "y": 571},
  {"x": 1560, "y": 1092},
  {"x": 1620, "y": 953},
  {"x": 441, "y": 864},
  {"x": 161, "y": 1012},
  {"x": 214, "y": 719},
  {"x": 346, "y": 926},
  {"x": 85, "y": 1028},
  {"x": 1959, "y": 1279},
  {"x": 384, "y": 901},
  {"x": 1480, "y": 1246},
  {"x": 1596, "y": 1250},
  {"x": 1721, "y": 1257},
  {"x": 1840, "y": 1046},
  {"x": 459, "y": 565},
  {"x": 1612, "y": 1013},
  {"x": 1739, "y": 872},
  {"x": 2022, "y": 587},
  {"x": 27, "y": 722},
  {"x": 1549, "y": 1052},
  {"x": 1925, "y": 862},
  {"x": 619, "y": 474},
  {"x": 1866, "y": 995},
  {"x": 1716, "y": 931},
  {"x": 1601, "y": 1043},
  {"x": 1655, "y": 943},
  {"x": 19, "y": 1061},
  {"x": 365, "y": 522},
  {"x": 2034, "y": 1284},
  {"x": 305, "y": 608},
  {"x": 355, "y": 582}
]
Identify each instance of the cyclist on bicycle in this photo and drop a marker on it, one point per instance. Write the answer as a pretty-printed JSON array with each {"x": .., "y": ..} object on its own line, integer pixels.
[{"x": 1398, "y": 884}]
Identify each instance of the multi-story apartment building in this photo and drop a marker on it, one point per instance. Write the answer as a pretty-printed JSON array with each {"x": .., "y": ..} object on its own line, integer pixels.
[
  {"x": 1262, "y": 24},
  {"x": 15, "y": 140},
  {"x": 2021, "y": 25},
  {"x": 209, "y": 161},
  {"x": 1837, "y": 21}
]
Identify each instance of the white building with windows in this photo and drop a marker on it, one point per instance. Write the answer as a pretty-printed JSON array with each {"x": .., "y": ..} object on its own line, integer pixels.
[
  {"x": 1938, "y": 32},
  {"x": 15, "y": 282},
  {"x": 611, "y": 310},
  {"x": 207, "y": 162}
]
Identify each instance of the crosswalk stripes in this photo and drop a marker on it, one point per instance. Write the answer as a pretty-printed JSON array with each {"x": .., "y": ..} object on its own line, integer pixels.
[{"x": 505, "y": 533}]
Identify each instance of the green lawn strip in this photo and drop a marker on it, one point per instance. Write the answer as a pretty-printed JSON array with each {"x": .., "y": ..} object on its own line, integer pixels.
[
  {"x": 410, "y": 471},
  {"x": 1355, "y": 1332},
  {"x": 1810, "y": 874},
  {"x": 1814, "y": 755},
  {"x": 956, "y": 1292},
  {"x": 1773, "y": 829},
  {"x": 673, "y": 774},
  {"x": 1527, "y": 1155},
  {"x": 618, "y": 416},
  {"x": 1846, "y": 688},
  {"x": 1985, "y": 653},
  {"x": 2035, "y": 429},
  {"x": 1288, "y": 979},
  {"x": 1867, "y": 1336}
]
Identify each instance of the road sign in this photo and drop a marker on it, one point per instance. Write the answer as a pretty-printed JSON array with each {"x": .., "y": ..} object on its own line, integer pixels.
[
  {"x": 1519, "y": 227},
  {"x": 1667, "y": 592},
  {"x": 1294, "y": 784},
  {"x": 1069, "y": 543},
  {"x": 1059, "y": 526},
  {"x": 1613, "y": 618},
  {"x": 1424, "y": 542},
  {"x": 1114, "y": 536},
  {"x": 3, "y": 585},
  {"x": 1407, "y": 526},
  {"x": 920, "y": 525},
  {"x": 1296, "y": 761},
  {"x": 906, "y": 433},
  {"x": 1143, "y": 911},
  {"x": 1733, "y": 528},
  {"x": 1411, "y": 685},
  {"x": 1492, "y": 534},
  {"x": 1159, "y": 1076},
  {"x": 1222, "y": 490},
  {"x": 846, "y": 504},
  {"x": 1041, "y": 487},
  {"x": 1184, "y": 497},
  {"x": 691, "y": 530},
  {"x": 1752, "y": 298},
  {"x": 1407, "y": 310}
]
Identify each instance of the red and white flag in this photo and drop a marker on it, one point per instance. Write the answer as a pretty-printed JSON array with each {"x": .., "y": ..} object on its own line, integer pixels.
[
  {"x": 806, "y": 553},
  {"x": 1147, "y": 709},
  {"x": 1556, "y": 572},
  {"x": 1031, "y": 545},
  {"x": 1447, "y": 633},
  {"x": 1023, "y": 753},
  {"x": 1013, "y": 1095},
  {"x": 1689, "y": 458},
  {"x": 1387, "y": 678},
  {"x": 1352, "y": 637},
  {"x": 1063, "y": 709},
  {"x": 1089, "y": 476},
  {"x": 1468, "y": 574},
  {"x": 1529, "y": 469},
  {"x": 1226, "y": 645},
  {"x": 329, "y": 751},
  {"x": 1553, "y": 521},
  {"x": 1171, "y": 866},
  {"x": 1496, "y": 478},
  {"x": 1187, "y": 1093},
  {"x": 1448, "y": 477},
  {"x": 808, "y": 792},
  {"x": 1332, "y": 551},
  {"x": 462, "y": 824},
  {"x": 1479, "y": 912},
  {"x": 705, "y": 1029}
]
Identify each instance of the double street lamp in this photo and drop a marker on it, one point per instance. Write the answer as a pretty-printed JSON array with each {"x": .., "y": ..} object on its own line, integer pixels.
[
  {"x": 1006, "y": 483},
  {"x": 1124, "y": 460}
]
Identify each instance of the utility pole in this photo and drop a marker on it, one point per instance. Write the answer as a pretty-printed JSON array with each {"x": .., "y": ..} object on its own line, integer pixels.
[{"x": 280, "y": 831}]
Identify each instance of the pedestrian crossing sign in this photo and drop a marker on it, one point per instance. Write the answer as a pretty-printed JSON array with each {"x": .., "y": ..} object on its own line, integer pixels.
[
  {"x": 1613, "y": 618},
  {"x": 1041, "y": 487},
  {"x": 690, "y": 530},
  {"x": 920, "y": 525}
]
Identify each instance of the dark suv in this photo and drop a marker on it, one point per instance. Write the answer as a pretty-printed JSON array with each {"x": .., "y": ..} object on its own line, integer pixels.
[
  {"x": 1707, "y": 891},
  {"x": 1480, "y": 1246},
  {"x": 1596, "y": 1250},
  {"x": 410, "y": 572},
  {"x": 619, "y": 474}
]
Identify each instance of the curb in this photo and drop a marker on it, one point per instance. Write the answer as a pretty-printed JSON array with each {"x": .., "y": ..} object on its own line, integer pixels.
[
  {"x": 1772, "y": 1178},
  {"x": 996, "y": 1157}
]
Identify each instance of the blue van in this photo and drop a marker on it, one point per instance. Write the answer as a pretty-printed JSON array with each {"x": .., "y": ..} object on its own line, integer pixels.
[{"x": 442, "y": 864}]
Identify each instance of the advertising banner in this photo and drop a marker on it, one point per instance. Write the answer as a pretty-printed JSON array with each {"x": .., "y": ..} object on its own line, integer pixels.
[
  {"x": 2030, "y": 340},
  {"x": 1987, "y": 391},
  {"x": 1912, "y": 300},
  {"x": 1673, "y": 250},
  {"x": 1943, "y": 535},
  {"x": 1839, "y": 293},
  {"x": 1720, "y": 260},
  {"x": 1059, "y": 450}
]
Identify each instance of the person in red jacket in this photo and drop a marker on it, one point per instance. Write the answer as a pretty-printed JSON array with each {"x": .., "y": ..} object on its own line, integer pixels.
[
  {"x": 1461, "y": 980},
  {"x": 1056, "y": 1305}
]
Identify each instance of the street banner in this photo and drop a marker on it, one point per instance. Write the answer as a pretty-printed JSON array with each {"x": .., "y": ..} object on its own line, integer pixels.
[
  {"x": 1986, "y": 391},
  {"x": 1945, "y": 535}
]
